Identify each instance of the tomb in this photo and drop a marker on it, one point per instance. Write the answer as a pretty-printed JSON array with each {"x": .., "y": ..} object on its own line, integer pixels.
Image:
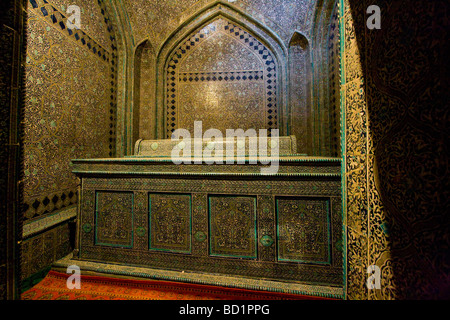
[
  {"x": 221, "y": 207},
  {"x": 217, "y": 219}
]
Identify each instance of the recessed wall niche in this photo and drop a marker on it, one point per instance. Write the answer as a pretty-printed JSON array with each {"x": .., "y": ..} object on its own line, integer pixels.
[
  {"x": 144, "y": 92},
  {"x": 299, "y": 93},
  {"x": 222, "y": 67},
  {"x": 223, "y": 76}
]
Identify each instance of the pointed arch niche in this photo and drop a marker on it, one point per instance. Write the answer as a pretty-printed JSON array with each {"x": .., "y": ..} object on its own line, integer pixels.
[
  {"x": 225, "y": 70},
  {"x": 299, "y": 91},
  {"x": 144, "y": 92}
]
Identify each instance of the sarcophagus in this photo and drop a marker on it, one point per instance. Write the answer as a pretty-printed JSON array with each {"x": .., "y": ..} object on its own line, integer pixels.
[
  {"x": 245, "y": 146},
  {"x": 228, "y": 219}
]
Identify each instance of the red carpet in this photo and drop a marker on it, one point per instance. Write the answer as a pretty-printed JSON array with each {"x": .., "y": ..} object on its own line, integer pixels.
[{"x": 54, "y": 287}]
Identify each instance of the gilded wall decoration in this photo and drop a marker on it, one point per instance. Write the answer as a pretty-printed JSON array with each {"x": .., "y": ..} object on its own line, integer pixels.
[
  {"x": 355, "y": 154},
  {"x": 396, "y": 171},
  {"x": 273, "y": 22},
  {"x": 144, "y": 108},
  {"x": 299, "y": 88},
  {"x": 70, "y": 104},
  {"x": 325, "y": 83},
  {"x": 223, "y": 76},
  {"x": 69, "y": 77},
  {"x": 156, "y": 20}
]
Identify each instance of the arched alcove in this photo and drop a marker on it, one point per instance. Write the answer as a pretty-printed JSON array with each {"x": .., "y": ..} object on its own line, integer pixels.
[
  {"x": 144, "y": 92},
  {"x": 224, "y": 69},
  {"x": 223, "y": 76},
  {"x": 300, "y": 75}
]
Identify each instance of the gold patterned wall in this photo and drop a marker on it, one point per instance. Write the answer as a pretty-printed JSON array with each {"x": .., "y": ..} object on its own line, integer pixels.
[
  {"x": 144, "y": 108},
  {"x": 68, "y": 86},
  {"x": 156, "y": 20},
  {"x": 69, "y": 112},
  {"x": 361, "y": 194},
  {"x": 397, "y": 169}
]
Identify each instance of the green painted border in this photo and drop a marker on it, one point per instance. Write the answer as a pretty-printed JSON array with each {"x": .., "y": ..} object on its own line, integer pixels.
[
  {"x": 96, "y": 243},
  {"x": 343, "y": 144},
  {"x": 150, "y": 224},
  {"x": 255, "y": 199},
  {"x": 328, "y": 207}
]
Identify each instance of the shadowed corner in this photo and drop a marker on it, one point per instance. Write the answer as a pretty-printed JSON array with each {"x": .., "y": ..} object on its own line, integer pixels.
[{"x": 404, "y": 101}]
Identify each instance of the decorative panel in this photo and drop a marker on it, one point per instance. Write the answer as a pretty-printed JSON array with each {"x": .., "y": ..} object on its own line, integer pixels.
[
  {"x": 39, "y": 252},
  {"x": 303, "y": 230},
  {"x": 223, "y": 76},
  {"x": 141, "y": 221},
  {"x": 266, "y": 228},
  {"x": 200, "y": 225},
  {"x": 233, "y": 226},
  {"x": 170, "y": 222},
  {"x": 114, "y": 219}
]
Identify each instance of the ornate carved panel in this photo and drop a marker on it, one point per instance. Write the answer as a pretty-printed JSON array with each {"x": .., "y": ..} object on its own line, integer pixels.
[
  {"x": 303, "y": 230},
  {"x": 114, "y": 219},
  {"x": 170, "y": 222},
  {"x": 233, "y": 226}
]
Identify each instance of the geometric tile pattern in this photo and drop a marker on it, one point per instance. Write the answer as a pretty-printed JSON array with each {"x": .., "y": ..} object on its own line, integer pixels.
[
  {"x": 70, "y": 77},
  {"x": 57, "y": 18}
]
